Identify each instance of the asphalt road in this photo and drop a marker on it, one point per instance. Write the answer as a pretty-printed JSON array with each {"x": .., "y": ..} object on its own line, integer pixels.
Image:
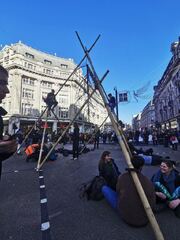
[{"x": 70, "y": 217}]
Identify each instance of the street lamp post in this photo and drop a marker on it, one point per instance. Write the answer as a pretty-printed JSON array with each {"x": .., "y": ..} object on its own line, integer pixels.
[{"x": 117, "y": 110}]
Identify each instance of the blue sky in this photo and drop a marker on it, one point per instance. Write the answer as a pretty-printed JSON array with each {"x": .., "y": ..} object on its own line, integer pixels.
[{"x": 134, "y": 45}]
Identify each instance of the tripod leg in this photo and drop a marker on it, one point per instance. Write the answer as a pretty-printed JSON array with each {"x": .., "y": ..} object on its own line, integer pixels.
[
  {"x": 55, "y": 115},
  {"x": 42, "y": 144}
]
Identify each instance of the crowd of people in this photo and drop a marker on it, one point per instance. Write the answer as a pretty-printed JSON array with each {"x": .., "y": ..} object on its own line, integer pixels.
[{"x": 167, "y": 137}]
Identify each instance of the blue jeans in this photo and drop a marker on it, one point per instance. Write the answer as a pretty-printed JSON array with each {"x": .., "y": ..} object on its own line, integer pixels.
[
  {"x": 172, "y": 196},
  {"x": 111, "y": 196},
  {"x": 112, "y": 106}
]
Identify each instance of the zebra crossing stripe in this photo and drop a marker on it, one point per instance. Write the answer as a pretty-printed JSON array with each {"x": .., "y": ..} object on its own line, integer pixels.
[
  {"x": 45, "y": 224},
  {"x": 44, "y": 200}
]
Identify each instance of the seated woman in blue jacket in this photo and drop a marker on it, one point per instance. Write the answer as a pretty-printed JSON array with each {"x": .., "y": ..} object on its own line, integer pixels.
[
  {"x": 108, "y": 169},
  {"x": 167, "y": 185}
]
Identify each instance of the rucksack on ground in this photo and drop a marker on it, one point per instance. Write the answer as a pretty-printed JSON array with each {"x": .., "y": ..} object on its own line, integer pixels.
[{"x": 92, "y": 189}]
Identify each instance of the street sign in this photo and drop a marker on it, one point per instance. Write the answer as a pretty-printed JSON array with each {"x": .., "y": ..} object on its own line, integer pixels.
[{"x": 123, "y": 97}]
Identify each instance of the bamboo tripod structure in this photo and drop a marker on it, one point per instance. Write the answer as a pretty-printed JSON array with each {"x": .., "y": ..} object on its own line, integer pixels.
[
  {"x": 69, "y": 125},
  {"x": 123, "y": 145}
]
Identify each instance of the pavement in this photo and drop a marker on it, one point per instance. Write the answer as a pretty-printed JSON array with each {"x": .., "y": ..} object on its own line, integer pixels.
[{"x": 71, "y": 218}]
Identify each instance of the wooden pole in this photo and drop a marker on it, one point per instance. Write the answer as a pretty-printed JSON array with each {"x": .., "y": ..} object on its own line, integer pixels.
[
  {"x": 123, "y": 137},
  {"x": 42, "y": 143},
  {"x": 69, "y": 125},
  {"x": 147, "y": 207}
]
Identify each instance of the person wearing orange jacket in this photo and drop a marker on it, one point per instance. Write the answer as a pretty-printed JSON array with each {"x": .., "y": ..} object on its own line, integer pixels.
[{"x": 32, "y": 152}]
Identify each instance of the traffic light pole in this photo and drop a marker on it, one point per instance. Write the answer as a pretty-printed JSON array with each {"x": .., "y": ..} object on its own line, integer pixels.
[{"x": 117, "y": 110}]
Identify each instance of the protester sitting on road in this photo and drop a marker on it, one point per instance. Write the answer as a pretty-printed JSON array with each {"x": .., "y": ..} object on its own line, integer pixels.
[
  {"x": 32, "y": 152},
  {"x": 126, "y": 199},
  {"x": 148, "y": 156},
  {"x": 108, "y": 170},
  {"x": 7, "y": 145},
  {"x": 153, "y": 160},
  {"x": 167, "y": 185},
  {"x": 135, "y": 150}
]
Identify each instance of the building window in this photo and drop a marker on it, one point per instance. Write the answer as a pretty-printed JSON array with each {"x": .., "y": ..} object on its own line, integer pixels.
[
  {"x": 6, "y": 58},
  {"x": 28, "y": 93},
  {"x": 47, "y": 62},
  {"x": 28, "y": 55},
  {"x": 63, "y": 113},
  {"x": 64, "y": 66},
  {"x": 28, "y": 81},
  {"x": 27, "y": 108},
  {"x": 31, "y": 82},
  {"x": 48, "y": 71},
  {"x": 46, "y": 84},
  {"x": 30, "y": 66}
]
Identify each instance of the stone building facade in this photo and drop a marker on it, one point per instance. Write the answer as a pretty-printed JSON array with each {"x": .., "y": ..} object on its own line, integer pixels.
[
  {"x": 167, "y": 93},
  {"x": 148, "y": 116},
  {"x": 136, "y": 122},
  {"x": 32, "y": 75}
]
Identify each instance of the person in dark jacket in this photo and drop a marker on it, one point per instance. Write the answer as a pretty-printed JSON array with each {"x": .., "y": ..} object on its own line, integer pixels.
[
  {"x": 96, "y": 139},
  {"x": 7, "y": 146},
  {"x": 75, "y": 139},
  {"x": 108, "y": 169},
  {"x": 126, "y": 199},
  {"x": 112, "y": 102},
  {"x": 167, "y": 185},
  {"x": 50, "y": 100}
]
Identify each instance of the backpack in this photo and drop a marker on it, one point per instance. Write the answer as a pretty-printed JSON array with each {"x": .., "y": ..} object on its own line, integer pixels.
[{"x": 92, "y": 189}]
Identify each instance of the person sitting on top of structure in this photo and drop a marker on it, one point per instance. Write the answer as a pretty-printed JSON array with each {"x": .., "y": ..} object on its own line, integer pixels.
[
  {"x": 112, "y": 102},
  {"x": 50, "y": 100}
]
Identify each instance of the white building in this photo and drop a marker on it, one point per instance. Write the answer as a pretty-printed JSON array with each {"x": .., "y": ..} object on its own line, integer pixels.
[
  {"x": 136, "y": 122},
  {"x": 148, "y": 116},
  {"x": 32, "y": 74}
]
